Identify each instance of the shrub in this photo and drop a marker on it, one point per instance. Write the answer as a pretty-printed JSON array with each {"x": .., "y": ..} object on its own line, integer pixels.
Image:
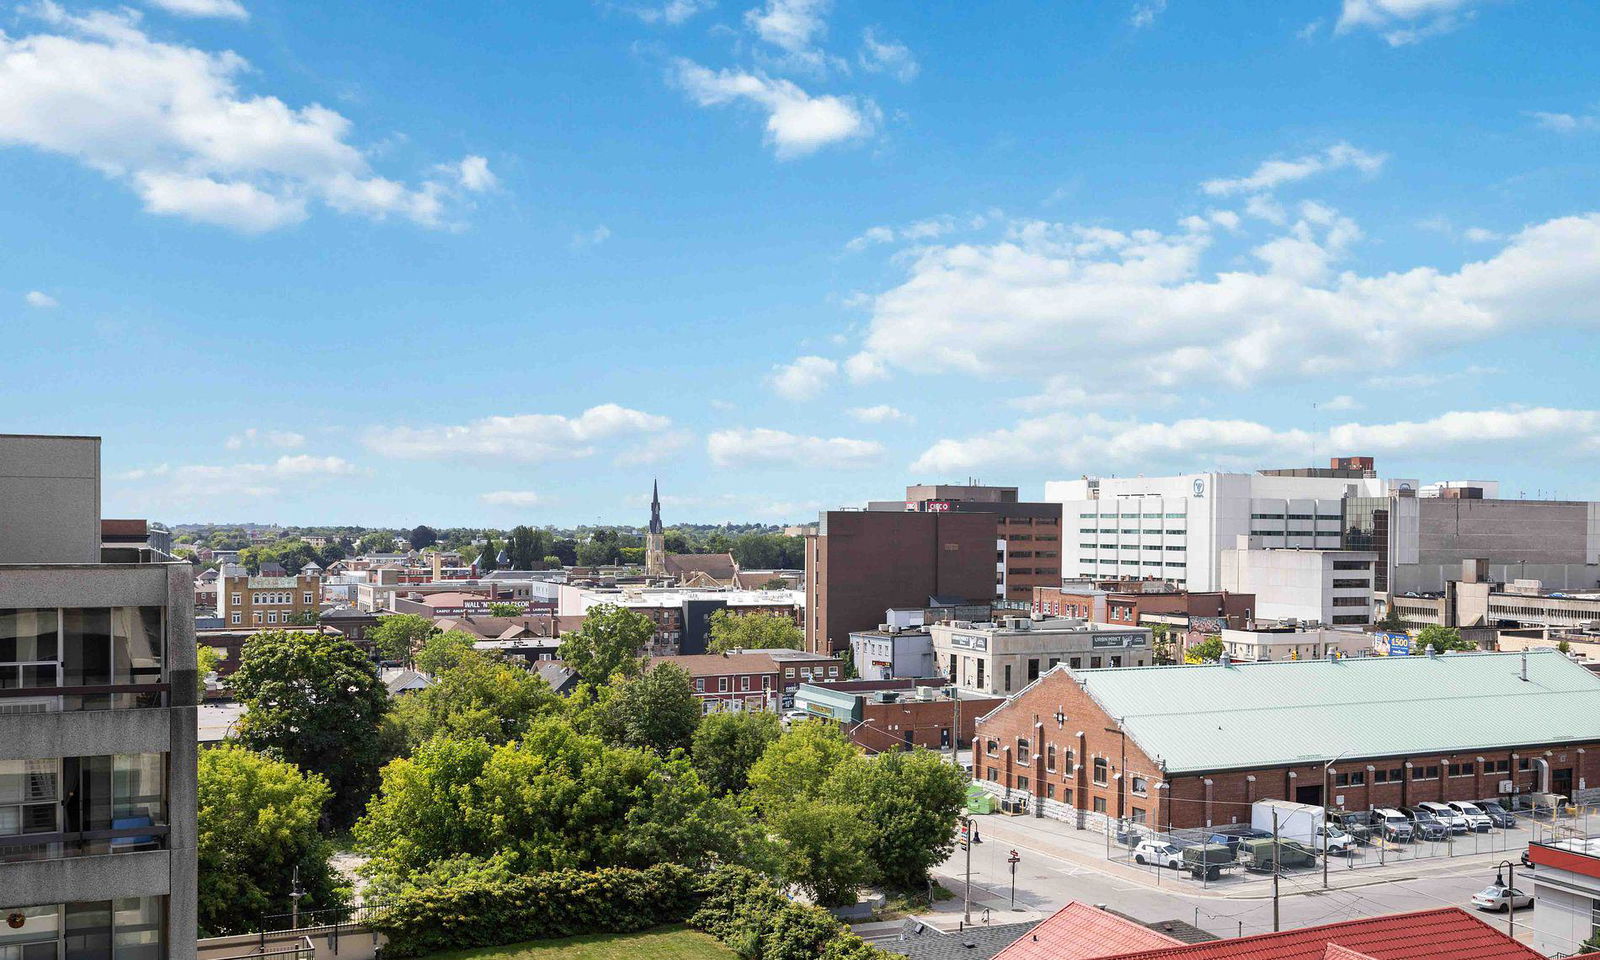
[
  {"x": 755, "y": 920},
  {"x": 483, "y": 909}
]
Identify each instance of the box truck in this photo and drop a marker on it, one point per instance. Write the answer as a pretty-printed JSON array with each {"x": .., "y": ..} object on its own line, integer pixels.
[{"x": 1302, "y": 822}]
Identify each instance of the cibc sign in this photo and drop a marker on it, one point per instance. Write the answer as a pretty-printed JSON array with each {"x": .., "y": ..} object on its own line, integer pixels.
[{"x": 928, "y": 506}]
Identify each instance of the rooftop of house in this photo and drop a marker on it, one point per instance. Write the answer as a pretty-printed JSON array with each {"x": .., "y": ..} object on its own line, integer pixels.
[{"x": 1079, "y": 931}]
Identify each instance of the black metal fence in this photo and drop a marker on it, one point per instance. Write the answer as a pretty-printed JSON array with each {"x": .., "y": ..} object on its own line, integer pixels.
[{"x": 326, "y": 922}]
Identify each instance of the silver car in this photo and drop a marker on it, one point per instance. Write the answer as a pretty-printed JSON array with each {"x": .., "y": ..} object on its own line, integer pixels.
[{"x": 1499, "y": 899}]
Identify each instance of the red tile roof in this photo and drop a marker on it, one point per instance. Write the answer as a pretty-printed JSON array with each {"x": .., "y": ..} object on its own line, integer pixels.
[
  {"x": 1079, "y": 931},
  {"x": 1445, "y": 934}
]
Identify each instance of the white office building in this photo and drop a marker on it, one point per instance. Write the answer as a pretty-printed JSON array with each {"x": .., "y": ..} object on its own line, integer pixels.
[
  {"x": 1309, "y": 586},
  {"x": 1175, "y": 528}
]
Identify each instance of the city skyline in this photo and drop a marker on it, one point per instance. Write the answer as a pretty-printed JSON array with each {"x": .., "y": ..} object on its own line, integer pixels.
[{"x": 488, "y": 266}]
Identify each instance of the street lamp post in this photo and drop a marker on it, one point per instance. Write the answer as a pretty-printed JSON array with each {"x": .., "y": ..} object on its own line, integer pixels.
[
  {"x": 1511, "y": 902},
  {"x": 1327, "y": 803},
  {"x": 966, "y": 888}
]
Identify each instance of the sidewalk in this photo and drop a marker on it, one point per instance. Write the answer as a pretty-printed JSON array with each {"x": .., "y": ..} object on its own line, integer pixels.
[{"x": 1086, "y": 848}]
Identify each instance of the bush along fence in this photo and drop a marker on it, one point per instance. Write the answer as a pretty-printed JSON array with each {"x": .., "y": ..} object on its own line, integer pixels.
[{"x": 739, "y": 907}]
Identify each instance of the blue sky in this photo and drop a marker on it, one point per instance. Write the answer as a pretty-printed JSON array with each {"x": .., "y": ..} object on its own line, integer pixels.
[{"x": 484, "y": 263}]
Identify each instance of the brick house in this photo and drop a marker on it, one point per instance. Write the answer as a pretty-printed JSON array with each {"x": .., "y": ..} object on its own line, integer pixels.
[
  {"x": 753, "y": 680},
  {"x": 898, "y": 717},
  {"x": 266, "y": 601},
  {"x": 1192, "y": 746}
]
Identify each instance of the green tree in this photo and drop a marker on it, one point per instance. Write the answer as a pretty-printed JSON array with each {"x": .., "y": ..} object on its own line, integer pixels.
[
  {"x": 656, "y": 710},
  {"x": 611, "y": 641},
  {"x": 442, "y": 651},
  {"x": 595, "y": 553},
  {"x": 475, "y": 697},
  {"x": 1442, "y": 639},
  {"x": 398, "y": 636},
  {"x": 488, "y": 556},
  {"x": 1208, "y": 650},
  {"x": 316, "y": 701},
  {"x": 331, "y": 553},
  {"x": 378, "y": 541},
  {"x": 753, "y": 631},
  {"x": 798, "y": 764},
  {"x": 256, "y": 823},
  {"x": 1392, "y": 621},
  {"x": 566, "y": 549},
  {"x": 1563, "y": 646},
  {"x": 909, "y": 800},
  {"x": 825, "y": 850},
  {"x": 423, "y": 536},
  {"x": 727, "y": 743},
  {"x": 502, "y": 609},
  {"x": 206, "y": 660},
  {"x": 527, "y": 547},
  {"x": 1162, "y": 644},
  {"x": 553, "y": 799}
]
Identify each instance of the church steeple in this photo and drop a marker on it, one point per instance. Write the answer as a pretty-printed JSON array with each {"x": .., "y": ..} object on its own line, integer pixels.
[{"x": 655, "y": 508}]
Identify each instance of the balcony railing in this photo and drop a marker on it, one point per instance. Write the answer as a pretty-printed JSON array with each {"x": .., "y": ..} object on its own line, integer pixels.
[
  {"x": 57, "y": 699},
  {"x": 17, "y": 848}
]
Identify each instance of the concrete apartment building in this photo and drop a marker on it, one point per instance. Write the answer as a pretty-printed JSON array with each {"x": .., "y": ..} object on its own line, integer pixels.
[
  {"x": 1027, "y": 535},
  {"x": 97, "y": 722},
  {"x": 255, "y": 601},
  {"x": 1127, "y": 745},
  {"x": 860, "y": 562},
  {"x": 1310, "y": 586},
  {"x": 1003, "y": 657}
]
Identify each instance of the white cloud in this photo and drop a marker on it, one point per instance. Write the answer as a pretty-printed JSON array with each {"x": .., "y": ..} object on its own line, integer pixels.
[
  {"x": 1271, "y": 174},
  {"x": 793, "y": 26},
  {"x": 201, "y": 483},
  {"x": 804, "y": 378},
  {"x": 1026, "y": 307},
  {"x": 509, "y": 498},
  {"x": 39, "y": 299},
  {"x": 225, "y": 9},
  {"x": 1481, "y": 235},
  {"x": 1309, "y": 31},
  {"x": 254, "y": 437},
  {"x": 1403, "y": 22},
  {"x": 865, "y": 368},
  {"x": 928, "y": 228},
  {"x": 170, "y": 122},
  {"x": 673, "y": 12},
  {"x": 887, "y": 56},
  {"x": 882, "y": 413},
  {"x": 1565, "y": 122},
  {"x": 764, "y": 447},
  {"x": 473, "y": 173},
  {"x": 584, "y": 239},
  {"x": 1145, "y": 13},
  {"x": 1342, "y": 402},
  {"x": 797, "y": 123},
  {"x": 1075, "y": 442},
  {"x": 528, "y": 438}
]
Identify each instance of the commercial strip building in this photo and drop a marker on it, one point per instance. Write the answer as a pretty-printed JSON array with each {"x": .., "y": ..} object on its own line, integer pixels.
[
  {"x": 1027, "y": 535},
  {"x": 897, "y": 715},
  {"x": 1191, "y": 746},
  {"x": 1275, "y": 643},
  {"x": 1144, "y": 602},
  {"x": 1005, "y": 656},
  {"x": 1306, "y": 586},
  {"x": 97, "y": 722},
  {"x": 860, "y": 562}
]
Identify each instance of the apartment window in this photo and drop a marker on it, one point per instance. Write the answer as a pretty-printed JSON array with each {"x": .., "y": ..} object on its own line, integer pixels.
[
  {"x": 722, "y": 684},
  {"x": 256, "y": 616},
  {"x": 308, "y": 596},
  {"x": 1076, "y": 663},
  {"x": 833, "y": 671},
  {"x": 1140, "y": 786},
  {"x": 1050, "y": 791},
  {"x": 94, "y": 647},
  {"x": 1024, "y": 749},
  {"x": 788, "y": 672},
  {"x": 981, "y": 662},
  {"x": 1116, "y": 660},
  {"x": 1347, "y": 584},
  {"x": 699, "y": 684},
  {"x": 60, "y": 801},
  {"x": 131, "y": 928},
  {"x": 236, "y": 618},
  {"x": 1033, "y": 669},
  {"x": 1099, "y": 804},
  {"x": 993, "y": 775},
  {"x": 1350, "y": 601},
  {"x": 1102, "y": 771},
  {"x": 744, "y": 683},
  {"x": 1095, "y": 663},
  {"x": 1430, "y": 772},
  {"x": 1461, "y": 770},
  {"x": 1050, "y": 757},
  {"x": 992, "y": 748},
  {"x": 1022, "y": 783},
  {"x": 236, "y": 600}
]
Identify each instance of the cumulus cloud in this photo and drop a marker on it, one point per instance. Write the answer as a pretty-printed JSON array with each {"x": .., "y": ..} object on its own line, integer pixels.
[
  {"x": 509, "y": 498},
  {"x": 1565, "y": 122},
  {"x": 1271, "y": 174},
  {"x": 928, "y": 228},
  {"x": 804, "y": 378},
  {"x": 171, "y": 123},
  {"x": 797, "y": 122},
  {"x": 672, "y": 12},
  {"x": 1025, "y": 306},
  {"x": 202, "y": 483},
  {"x": 1402, "y": 22},
  {"x": 473, "y": 174},
  {"x": 762, "y": 447},
  {"x": 1075, "y": 441},
  {"x": 254, "y": 437},
  {"x": 40, "y": 299},
  {"x": 223, "y": 9},
  {"x": 883, "y": 55},
  {"x": 793, "y": 26},
  {"x": 881, "y": 413},
  {"x": 1145, "y": 13},
  {"x": 527, "y": 438},
  {"x": 1342, "y": 402}
]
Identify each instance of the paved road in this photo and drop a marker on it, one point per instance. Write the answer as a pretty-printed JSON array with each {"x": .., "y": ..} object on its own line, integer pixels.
[{"x": 1045, "y": 882}]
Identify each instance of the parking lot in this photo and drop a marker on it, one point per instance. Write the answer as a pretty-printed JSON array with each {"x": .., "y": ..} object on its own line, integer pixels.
[{"x": 1243, "y": 866}]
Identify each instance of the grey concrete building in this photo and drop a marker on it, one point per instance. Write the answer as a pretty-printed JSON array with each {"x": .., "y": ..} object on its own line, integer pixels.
[
  {"x": 97, "y": 722},
  {"x": 1005, "y": 656}
]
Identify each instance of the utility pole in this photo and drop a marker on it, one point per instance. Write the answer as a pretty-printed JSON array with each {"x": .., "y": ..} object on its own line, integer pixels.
[{"x": 1275, "y": 858}]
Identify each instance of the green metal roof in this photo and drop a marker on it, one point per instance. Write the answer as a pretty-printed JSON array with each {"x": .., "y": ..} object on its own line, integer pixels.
[{"x": 1216, "y": 717}]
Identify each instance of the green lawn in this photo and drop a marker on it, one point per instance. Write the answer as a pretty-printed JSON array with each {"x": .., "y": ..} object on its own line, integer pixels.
[{"x": 667, "y": 943}]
